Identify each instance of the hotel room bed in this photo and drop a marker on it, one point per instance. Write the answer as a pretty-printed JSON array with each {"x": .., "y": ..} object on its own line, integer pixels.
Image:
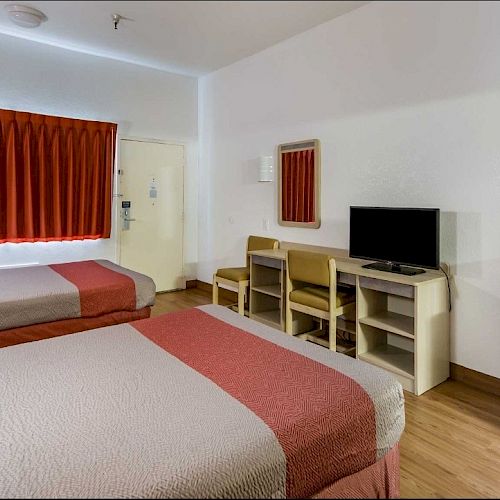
[
  {"x": 198, "y": 403},
  {"x": 38, "y": 302}
]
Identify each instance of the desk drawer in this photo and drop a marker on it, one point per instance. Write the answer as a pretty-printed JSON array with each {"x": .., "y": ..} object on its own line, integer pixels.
[
  {"x": 387, "y": 287},
  {"x": 266, "y": 261},
  {"x": 346, "y": 278}
]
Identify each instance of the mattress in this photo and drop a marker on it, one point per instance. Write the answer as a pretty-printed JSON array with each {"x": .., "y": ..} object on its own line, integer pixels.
[
  {"x": 87, "y": 289},
  {"x": 41, "y": 331},
  {"x": 197, "y": 403}
]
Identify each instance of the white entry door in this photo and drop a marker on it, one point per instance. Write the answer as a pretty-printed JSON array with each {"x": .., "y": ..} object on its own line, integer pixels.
[{"x": 151, "y": 180}]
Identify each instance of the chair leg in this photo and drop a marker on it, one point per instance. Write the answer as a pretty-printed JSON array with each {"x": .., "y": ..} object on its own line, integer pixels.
[
  {"x": 289, "y": 320},
  {"x": 332, "y": 333},
  {"x": 215, "y": 291},
  {"x": 241, "y": 299}
]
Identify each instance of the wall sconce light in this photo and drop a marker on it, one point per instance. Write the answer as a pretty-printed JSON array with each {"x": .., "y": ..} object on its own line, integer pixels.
[{"x": 266, "y": 169}]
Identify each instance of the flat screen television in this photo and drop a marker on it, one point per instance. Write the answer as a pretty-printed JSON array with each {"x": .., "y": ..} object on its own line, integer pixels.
[{"x": 395, "y": 238}]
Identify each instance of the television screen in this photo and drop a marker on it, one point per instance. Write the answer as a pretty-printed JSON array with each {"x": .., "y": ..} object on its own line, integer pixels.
[{"x": 406, "y": 236}]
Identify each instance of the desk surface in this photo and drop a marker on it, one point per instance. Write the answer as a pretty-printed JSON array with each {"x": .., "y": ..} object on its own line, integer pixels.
[{"x": 354, "y": 266}]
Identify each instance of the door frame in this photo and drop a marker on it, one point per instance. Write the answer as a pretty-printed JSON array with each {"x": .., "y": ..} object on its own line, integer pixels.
[{"x": 117, "y": 195}]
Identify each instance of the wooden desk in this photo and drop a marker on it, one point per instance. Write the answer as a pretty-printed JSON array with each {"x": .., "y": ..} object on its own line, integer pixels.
[{"x": 402, "y": 322}]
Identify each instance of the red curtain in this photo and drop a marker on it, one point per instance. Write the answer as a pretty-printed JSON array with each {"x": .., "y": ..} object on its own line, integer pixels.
[
  {"x": 298, "y": 186},
  {"x": 56, "y": 178}
]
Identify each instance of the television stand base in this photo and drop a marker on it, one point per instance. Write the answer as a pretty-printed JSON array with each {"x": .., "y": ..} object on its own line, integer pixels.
[{"x": 394, "y": 268}]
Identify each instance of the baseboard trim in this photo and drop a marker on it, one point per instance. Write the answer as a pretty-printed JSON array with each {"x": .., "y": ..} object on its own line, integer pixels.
[
  {"x": 223, "y": 292},
  {"x": 478, "y": 380},
  {"x": 206, "y": 287},
  {"x": 191, "y": 284}
]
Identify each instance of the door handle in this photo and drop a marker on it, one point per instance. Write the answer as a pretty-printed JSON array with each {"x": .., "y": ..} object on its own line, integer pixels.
[{"x": 129, "y": 220}]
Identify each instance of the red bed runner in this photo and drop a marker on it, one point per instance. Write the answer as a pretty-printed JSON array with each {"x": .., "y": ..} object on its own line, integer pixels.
[
  {"x": 102, "y": 290},
  {"x": 324, "y": 420}
]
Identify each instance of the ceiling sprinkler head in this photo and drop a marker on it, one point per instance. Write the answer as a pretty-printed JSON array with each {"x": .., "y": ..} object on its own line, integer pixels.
[{"x": 116, "y": 19}]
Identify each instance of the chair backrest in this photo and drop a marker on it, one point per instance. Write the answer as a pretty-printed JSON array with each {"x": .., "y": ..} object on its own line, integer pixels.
[
  {"x": 260, "y": 243},
  {"x": 310, "y": 267}
]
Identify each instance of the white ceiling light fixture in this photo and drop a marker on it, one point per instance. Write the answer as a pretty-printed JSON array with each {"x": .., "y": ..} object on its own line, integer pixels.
[{"x": 25, "y": 16}]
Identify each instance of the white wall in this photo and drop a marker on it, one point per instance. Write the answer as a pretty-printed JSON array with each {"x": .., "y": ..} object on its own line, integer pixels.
[
  {"x": 144, "y": 102},
  {"x": 405, "y": 99}
]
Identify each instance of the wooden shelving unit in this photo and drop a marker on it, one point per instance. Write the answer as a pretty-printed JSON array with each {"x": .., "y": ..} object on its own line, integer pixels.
[
  {"x": 401, "y": 323},
  {"x": 404, "y": 330},
  {"x": 267, "y": 278}
]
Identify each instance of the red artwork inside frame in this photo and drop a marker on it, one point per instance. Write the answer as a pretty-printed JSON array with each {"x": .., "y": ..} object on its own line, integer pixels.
[{"x": 299, "y": 184}]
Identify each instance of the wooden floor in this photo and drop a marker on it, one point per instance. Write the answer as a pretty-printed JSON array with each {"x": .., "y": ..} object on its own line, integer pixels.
[
  {"x": 451, "y": 444},
  {"x": 174, "y": 301}
]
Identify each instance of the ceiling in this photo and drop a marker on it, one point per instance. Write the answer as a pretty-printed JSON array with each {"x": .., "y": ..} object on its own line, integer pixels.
[{"x": 187, "y": 37}]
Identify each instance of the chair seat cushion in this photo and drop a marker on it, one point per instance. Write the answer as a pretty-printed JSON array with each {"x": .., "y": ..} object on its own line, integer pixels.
[
  {"x": 234, "y": 273},
  {"x": 318, "y": 297}
]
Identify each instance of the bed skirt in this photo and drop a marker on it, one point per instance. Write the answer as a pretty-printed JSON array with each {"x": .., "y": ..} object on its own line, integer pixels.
[
  {"x": 380, "y": 480},
  {"x": 42, "y": 331}
]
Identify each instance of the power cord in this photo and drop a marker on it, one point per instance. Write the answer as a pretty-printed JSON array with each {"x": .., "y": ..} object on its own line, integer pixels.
[{"x": 449, "y": 288}]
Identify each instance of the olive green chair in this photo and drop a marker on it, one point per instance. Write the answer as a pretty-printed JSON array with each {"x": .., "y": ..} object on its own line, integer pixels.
[
  {"x": 312, "y": 290},
  {"x": 239, "y": 277}
]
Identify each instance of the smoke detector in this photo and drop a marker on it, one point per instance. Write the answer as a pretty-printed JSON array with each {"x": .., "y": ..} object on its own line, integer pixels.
[{"x": 25, "y": 16}]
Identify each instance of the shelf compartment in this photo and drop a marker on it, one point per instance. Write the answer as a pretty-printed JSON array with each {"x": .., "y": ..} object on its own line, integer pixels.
[
  {"x": 272, "y": 290},
  {"x": 387, "y": 287},
  {"x": 391, "y": 358},
  {"x": 264, "y": 275},
  {"x": 390, "y": 321},
  {"x": 270, "y": 318},
  {"x": 346, "y": 325},
  {"x": 266, "y": 261}
]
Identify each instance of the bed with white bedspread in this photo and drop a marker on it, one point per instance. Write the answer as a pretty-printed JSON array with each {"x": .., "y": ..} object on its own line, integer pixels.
[{"x": 197, "y": 403}]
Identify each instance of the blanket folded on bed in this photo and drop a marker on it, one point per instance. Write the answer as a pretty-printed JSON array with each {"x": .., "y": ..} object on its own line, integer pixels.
[
  {"x": 201, "y": 403},
  {"x": 39, "y": 294}
]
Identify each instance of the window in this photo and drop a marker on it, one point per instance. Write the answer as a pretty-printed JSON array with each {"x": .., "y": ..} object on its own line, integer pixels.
[{"x": 56, "y": 177}]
